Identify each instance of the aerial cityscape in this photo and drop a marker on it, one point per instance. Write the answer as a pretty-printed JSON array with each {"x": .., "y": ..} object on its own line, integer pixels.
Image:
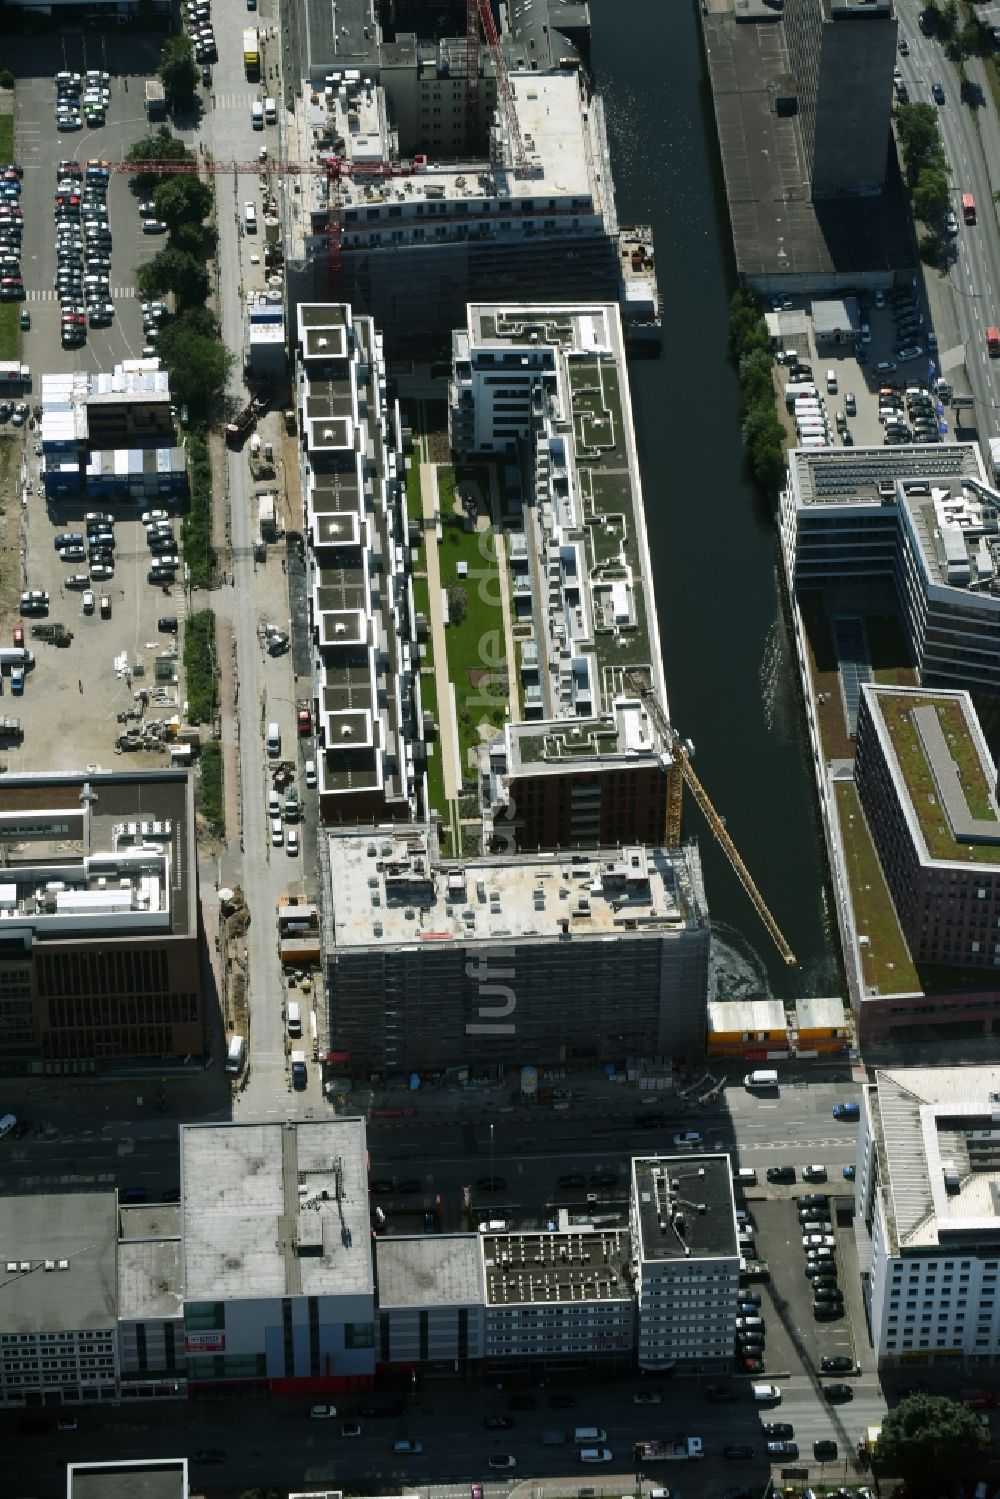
[{"x": 499, "y": 947}]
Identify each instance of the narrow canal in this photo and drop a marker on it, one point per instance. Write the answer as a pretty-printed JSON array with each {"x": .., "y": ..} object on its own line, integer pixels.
[{"x": 728, "y": 660}]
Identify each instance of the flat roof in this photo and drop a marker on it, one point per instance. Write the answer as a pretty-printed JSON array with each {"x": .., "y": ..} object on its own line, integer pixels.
[
  {"x": 563, "y": 1267},
  {"x": 145, "y": 1478},
  {"x": 99, "y": 853},
  {"x": 937, "y": 1133},
  {"x": 598, "y": 603},
  {"x": 149, "y": 1278},
  {"x": 778, "y": 230},
  {"x": 275, "y": 1209},
  {"x": 58, "y": 1252},
  {"x": 390, "y": 886},
  {"x": 685, "y": 1207},
  {"x": 737, "y": 1015},
  {"x": 429, "y": 1270},
  {"x": 941, "y": 769}
]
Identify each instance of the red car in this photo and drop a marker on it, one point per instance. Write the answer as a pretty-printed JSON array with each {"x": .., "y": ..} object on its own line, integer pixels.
[
  {"x": 304, "y": 720},
  {"x": 753, "y": 1365},
  {"x": 19, "y": 635}
]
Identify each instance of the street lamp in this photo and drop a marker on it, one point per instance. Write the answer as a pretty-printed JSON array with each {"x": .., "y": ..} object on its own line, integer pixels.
[{"x": 492, "y": 1158}]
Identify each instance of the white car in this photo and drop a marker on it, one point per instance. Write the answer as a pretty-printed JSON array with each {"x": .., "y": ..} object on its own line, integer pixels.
[
  {"x": 7, "y": 1123},
  {"x": 149, "y": 517},
  {"x": 323, "y": 1412},
  {"x": 250, "y": 218},
  {"x": 502, "y": 1462},
  {"x": 595, "y": 1455},
  {"x": 814, "y": 1173},
  {"x": 277, "y": 832},
  {"x": 687, "y": 1137},
  {"x": 818, "y": 1241},
  {"x": 88, "y": 601}
]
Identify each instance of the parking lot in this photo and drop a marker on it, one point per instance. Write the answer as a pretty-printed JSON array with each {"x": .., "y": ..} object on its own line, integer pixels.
[{"x": 860, "y": 396}]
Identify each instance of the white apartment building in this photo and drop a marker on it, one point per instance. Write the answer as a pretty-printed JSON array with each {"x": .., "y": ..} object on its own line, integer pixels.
[
  {"x": 58, "y": 1312},
  {"x": 928, "y": 1213},
  {"x": 685, "y": 1260}
]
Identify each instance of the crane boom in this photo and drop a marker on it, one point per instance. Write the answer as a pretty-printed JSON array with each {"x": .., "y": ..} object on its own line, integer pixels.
[
  {"x": 505, "y": 94},
  {"x": 688, "y": 778}
]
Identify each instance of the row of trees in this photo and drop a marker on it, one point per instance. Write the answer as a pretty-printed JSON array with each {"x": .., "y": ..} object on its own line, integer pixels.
[
  {"x": 924, "y": 162},
  {"x": 762, "y": 430},
  {"x": 189, "y": 343},
  {"x": 179, "y": 73}
]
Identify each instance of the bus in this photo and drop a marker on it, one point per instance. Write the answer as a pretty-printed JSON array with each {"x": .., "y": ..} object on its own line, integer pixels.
[{"x": 968, "y": 208}]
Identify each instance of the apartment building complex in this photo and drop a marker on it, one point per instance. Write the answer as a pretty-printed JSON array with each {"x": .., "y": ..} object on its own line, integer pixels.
[
  {"x": 924, "y": 517},
  {"x": 436, "y": 962},
  {"x": 99, "y": 921},
  {"x": 583, "y": 763},
  {"x": 927, "y": 784},
  {"x": 368, "y": 725},
  {"x": 685, "y": 1261},
  {"x": 928, "y": 1179}
]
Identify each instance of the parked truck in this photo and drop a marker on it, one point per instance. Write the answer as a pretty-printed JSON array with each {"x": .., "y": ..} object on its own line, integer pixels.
[
  {"x": 156, "y": 100},
  {"x": 251, "y": 53},
  {"x": 680, "y": 1450}
]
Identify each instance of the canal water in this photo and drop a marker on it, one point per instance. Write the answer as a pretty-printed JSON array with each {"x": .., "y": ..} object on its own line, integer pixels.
[{"x": 727, "y": 656}]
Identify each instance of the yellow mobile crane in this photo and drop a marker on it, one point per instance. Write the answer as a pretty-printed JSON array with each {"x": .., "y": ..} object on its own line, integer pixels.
[{"x": 687, "y": 777}]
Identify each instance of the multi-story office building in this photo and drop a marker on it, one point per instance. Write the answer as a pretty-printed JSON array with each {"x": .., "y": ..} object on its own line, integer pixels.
[
  {"x": 923, "y": 517},
  {"x": 928, "y": 1184},
  {"x": 842, "y": 54},
  {"x": 685, "y": 1260},
  {"x": 99, "y": 913},
  {"x": 927, "y": 784},
  {"x": 58, "y": 1312},
  {"x": 367, "y": 724},
  {"x": 584, "y": 763},
  {"x": 431, "y": 1296},
  {"x": 436, "y": 962},
  {"x": 150, "y": 1303},
  {"x": 277, "y": 1266}
]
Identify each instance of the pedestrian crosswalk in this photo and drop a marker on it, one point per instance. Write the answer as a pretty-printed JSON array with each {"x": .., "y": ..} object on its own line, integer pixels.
[
  {"x": 47, "y": 295},
  {"x": 235, "y": 101}
]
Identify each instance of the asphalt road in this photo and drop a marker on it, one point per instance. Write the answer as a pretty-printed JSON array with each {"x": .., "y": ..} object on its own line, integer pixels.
[
  {"x": 969, "y": 294},
  {"x": 273, "y": 1443}
]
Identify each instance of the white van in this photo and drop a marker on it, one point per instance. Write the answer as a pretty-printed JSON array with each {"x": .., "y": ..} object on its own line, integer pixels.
[
  {"x": 273, "y": 741},
  {"x": 273, "y": 804},
  {"x": 310, "y": 772},
  {"x": 257, "y": 115},
  {"x": 235, "y": 1056},
  {"x": 294, "y": 1019},
  {"x": 766, "y": 1394},
  {"x": 831, "y": 382},
  {"x": 587, "y": 1436},
  {"x": 762, "y": 1078},
  {"x": 744, "y": 1176},
  {"x": 270, "y": 111}
]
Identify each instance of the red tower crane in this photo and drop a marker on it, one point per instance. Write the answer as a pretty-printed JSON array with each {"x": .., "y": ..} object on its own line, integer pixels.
[{"x": 481, "y": 10}]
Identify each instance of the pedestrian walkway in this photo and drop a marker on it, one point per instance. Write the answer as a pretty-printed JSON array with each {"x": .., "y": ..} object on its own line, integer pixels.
[
  {"x": 447, "y": 721},
  {"x": 49, "y": 295}
]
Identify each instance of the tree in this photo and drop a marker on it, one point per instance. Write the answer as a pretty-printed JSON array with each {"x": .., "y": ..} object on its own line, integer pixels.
[
  {"x": 930, "y": 1442},
  {"x": 756, "y": 384},
  {"x": 198, "y": 363},
  {"x": 162, "y": 145},
  {"x": 917, "y": 125},
  {"x": 176, "y": 271},
  {"x": 178, "y": 73},
  {"x": 182, "y": 200},
  {"x": 930, "y": 195},
  {"x": 6, "y": 78},
  {"x": 190, "y": 238}
]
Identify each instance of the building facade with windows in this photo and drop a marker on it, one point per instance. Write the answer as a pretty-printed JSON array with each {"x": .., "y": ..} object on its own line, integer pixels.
[
  {"x": 58, "y": 1304},
  {"x": 99, "y": 921},
  {"x": 277, "y": 1266},
  {"x": 928, "y": 1214},
  {"x": 685, "y": 1261},
  {"x": 927, "y": 785}
]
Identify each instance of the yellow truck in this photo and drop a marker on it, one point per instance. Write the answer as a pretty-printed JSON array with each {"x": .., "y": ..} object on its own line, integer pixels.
[{"x": 251, "y": 52}]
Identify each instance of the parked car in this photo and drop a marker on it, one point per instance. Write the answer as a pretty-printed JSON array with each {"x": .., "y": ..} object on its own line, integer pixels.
[
  {"x": 781, "y": 1173},
  {"x": 846, "y": 1111},
  {"x": 814, "y": 1173},
  {"x": 825, "y": 1451},
  {"x": 838, "y": 1392},
  {"x": 783, "y": 1449}
]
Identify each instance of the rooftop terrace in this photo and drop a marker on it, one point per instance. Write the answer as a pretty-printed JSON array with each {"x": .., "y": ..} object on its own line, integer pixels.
[{"x": 391, "y": 887}]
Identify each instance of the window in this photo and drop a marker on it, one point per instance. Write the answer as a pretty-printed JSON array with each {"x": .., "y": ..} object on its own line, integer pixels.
[{"x": 359, "y": 1335}]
